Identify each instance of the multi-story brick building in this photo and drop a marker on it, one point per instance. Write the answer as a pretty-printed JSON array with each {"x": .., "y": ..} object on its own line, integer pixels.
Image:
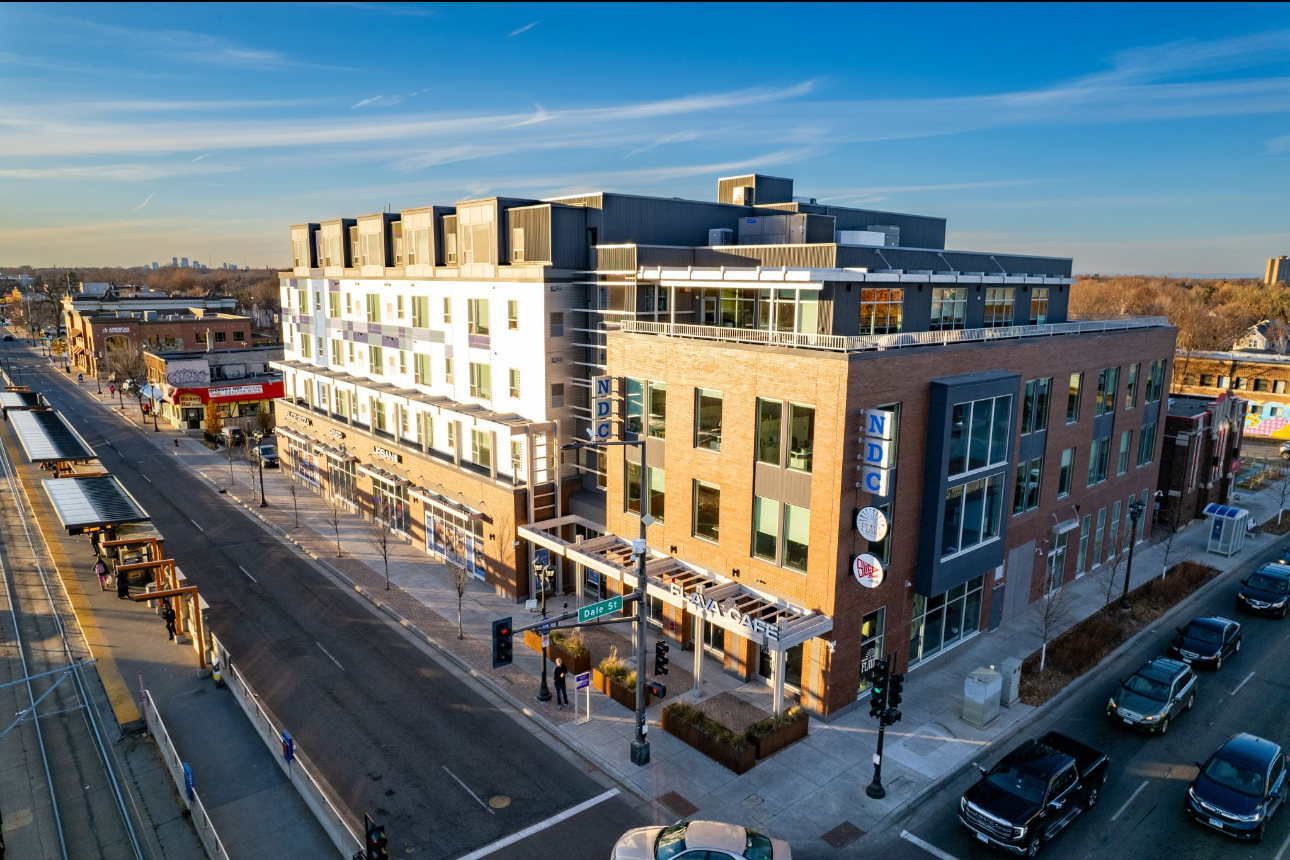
[
  {"x": 1200, "y": 456},
  {"x": 1261, "y": 379},
  {"x": 794, "y": 373}
]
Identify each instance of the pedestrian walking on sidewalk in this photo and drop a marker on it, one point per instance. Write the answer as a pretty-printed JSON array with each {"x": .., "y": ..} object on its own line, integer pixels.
[
  {"x": 168, "y": 615},
  {"x": 101, "y": 571},
  {"x": 561, "y": 691},
  {"x": 122, "y": 586}
]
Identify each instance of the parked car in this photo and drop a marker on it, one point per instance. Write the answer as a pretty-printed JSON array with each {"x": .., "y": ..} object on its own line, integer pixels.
[
  {"x": 233, "y": 436},
  {"x": 1284, "y": 448},
  {"x": 1240, "y": 788},
  {"x": 268, "y": 454},
  {"x": 8, "y": 337},
  {"x": 1033, "y": 793},
  {"x": 709, "y": 840},
  {"x": 1155, "y": 694},
  {"x": 1266, "y": 591},
  {"x": 1207, "y": 641}
]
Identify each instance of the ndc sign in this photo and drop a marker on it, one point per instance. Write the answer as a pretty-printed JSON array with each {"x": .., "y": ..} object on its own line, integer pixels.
[
  {"x": 876, "y": 461},
  {"x": 602, "y": 408}
]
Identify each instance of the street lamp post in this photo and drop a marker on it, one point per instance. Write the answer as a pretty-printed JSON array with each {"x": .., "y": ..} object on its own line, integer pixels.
[
  {"x": 545, "y": 574},
  {"x": 1135, "y": 513},
  {"x": 640, "y": 744},
  {"x": 259, "y": 440}
]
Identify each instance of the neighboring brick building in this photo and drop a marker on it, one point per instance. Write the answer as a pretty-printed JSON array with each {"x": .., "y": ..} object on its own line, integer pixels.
[
  {"x": 1262, "y": 379},
  {"x": 240, "y": 382},
  {"x": 1200, "y": 456}
]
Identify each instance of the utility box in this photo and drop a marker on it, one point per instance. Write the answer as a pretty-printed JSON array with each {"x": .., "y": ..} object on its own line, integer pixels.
[
  {"x": 981, "y": 693},
  {"x": 1010, "y": 669}
]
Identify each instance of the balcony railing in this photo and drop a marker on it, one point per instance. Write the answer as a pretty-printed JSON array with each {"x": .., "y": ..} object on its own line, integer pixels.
[{"x": 862, "y": 343}]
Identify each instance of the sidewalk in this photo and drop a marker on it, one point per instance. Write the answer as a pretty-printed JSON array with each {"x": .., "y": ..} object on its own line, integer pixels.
[
  {"x": 812, "y": 793},
  {"x": 255, "y": 810}
]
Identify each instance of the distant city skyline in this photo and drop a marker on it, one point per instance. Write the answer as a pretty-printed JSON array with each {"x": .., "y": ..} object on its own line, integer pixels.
[{"x": 1132, "y": 142}]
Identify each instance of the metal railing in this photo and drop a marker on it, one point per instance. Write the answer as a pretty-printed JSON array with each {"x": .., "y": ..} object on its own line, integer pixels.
[
  {"x": 202, "y": 822},
  {"x": 346, "y": 840},
  {"x": 861, "y": 343}
]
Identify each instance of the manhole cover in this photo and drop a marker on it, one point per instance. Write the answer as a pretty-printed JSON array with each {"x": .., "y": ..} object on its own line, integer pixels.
[{"x": 499, "y": 801}]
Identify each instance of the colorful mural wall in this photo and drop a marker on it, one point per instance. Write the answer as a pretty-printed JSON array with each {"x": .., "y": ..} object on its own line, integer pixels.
[{"x": 1267, "y": 420}]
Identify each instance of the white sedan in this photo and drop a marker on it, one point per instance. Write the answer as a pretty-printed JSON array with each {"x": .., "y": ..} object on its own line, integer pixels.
[{"x": 699, "y": 840}]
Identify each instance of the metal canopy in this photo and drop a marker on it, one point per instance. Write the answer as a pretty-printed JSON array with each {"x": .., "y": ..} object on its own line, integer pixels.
[
  {"x": 46, "y": 437},
  {"x": 1214, "y": 509},
  {"x": 21, "y": 400},
  {"x": 90, "y": 504}
]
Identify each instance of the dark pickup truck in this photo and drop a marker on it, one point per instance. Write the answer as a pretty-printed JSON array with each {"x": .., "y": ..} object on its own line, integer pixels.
[{"x": 1033, "y": 793}]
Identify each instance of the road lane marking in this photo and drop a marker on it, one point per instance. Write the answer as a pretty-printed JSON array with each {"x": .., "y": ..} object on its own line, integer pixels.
[
  {"x": 194, "y": 522},
  {"x": 1284, "y": 846},
  {"x": 1132, "y": 797},
  {"x": 466, "y": 787},
  {"x": 321, "y": 648},
  {"x": 1242, "y": 684},
  {"x": 146, "y": 478},
  {"x": 926, "y": 846},
  {"x": 252, "y": 578},
  {"x": 519, "y": 835}
]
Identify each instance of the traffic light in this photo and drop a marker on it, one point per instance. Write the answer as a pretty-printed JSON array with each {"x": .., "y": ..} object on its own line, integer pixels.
[
  {"x": 660, "y": 657},
  {"x": 895, "y": 686},
  {"x": 657, "y": 690},
  {"x": 503, "y": 634},
  {"x": 374, "y": 841},
  {"x": 878, "y": 693}
]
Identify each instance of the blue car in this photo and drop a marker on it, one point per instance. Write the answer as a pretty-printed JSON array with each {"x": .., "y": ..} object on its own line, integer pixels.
[
  {"x": 1240, "y": 788},
  {"x": 1266, "y": 591}
]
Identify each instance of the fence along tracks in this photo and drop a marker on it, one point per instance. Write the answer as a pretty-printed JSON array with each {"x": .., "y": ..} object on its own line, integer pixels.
[{"x": 87, "y": 814}]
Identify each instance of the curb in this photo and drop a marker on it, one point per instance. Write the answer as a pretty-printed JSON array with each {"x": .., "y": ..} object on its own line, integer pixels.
[{"x": 935, "y": 785}]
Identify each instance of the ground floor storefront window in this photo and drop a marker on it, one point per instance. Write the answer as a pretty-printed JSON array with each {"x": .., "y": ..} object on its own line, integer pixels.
[
  {"x": 390, "y": 505},
  {"x": 457, "y": 540},
  {"x": 342, "y": 481},
  {"x": 872, "y": 627},
  {"x": 944, "y": 620},
  {"x": 792, "y": 666},
  {"x": 303, "y": 463}
]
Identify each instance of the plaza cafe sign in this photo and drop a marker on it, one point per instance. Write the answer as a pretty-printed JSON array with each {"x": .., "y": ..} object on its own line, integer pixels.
[{"x": 711, "y": 608}]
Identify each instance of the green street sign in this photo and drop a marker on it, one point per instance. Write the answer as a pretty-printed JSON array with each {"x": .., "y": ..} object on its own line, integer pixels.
[{"x": 596, "y": 610}]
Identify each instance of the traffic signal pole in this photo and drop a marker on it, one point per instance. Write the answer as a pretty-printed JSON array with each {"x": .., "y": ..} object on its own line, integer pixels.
[{"x": 879, "y": 704}]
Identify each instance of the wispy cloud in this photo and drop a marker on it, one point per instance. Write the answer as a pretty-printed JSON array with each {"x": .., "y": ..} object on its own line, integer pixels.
[
  {"x": 200, "y": 157},
  {"x": 1278, "y": 144},
  {"x": 523, "y": 29},
  {"x": 676, "y": 137},
  {"x": 147, "y": 200},
  {"x": 379, "y": 101},
  {"x": 115, "y": 172}
]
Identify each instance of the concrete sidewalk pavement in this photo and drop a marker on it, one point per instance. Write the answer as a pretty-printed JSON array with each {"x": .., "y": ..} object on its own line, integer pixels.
[{"x": 811, "y": 793}]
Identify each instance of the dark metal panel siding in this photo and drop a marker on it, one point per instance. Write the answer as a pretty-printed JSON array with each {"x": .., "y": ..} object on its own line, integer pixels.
[
  {"x": 845, "y": 302},
  {"x": 819, "y": 228},
  {"x": 658, "y": 255},
  {"x": 997, "y": 264},
  {"x": 916, "y": 231},
  {"x": 568, "y": 237},
  {"x": 1059, "y": 297},
  {"x": 799, "y": 256},
  {"x": 917, "y": 307},
  {"x": 654, "y": 221},
  {"x": 772, "y": 189}
]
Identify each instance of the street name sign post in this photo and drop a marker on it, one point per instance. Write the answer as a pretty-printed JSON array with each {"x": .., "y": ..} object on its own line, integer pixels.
[
  {"x": 582, "y": 682},
  {"x": 598, "y": 610}
]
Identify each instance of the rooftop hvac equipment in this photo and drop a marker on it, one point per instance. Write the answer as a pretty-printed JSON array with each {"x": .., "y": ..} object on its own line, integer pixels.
[
  {"x": 721, "y": 236},
  {"x": 861, "y": 237},
  {"x": 810, "y": 200},
  {"x": 890, "y": 231}
]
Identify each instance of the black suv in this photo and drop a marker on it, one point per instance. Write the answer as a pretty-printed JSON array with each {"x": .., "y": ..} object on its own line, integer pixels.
[
  {"x": 1207, "y": 641},
  {"x": 1239, "y": 788},
  {"x": 1156, "y": 694},
  {"x": 1266, "y": 591}
]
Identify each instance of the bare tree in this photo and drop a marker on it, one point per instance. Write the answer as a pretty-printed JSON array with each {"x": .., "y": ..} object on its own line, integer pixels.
[
  {"x": 334, "y": 520},
  {"x": 251, "y": 453},
  {"x": 1108, "y": 575},
  {"x": 1167, "y": 546},
  {"x": 295, "y": 497},
  {"x": 1053, "y": 611},
  {"x": 126, "y": 367},
  {"x": 380, "y": 540},
  {"x": 460, "y": 580}
]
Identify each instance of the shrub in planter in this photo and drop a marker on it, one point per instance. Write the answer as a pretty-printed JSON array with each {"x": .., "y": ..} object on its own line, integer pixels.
[
  {"x": 774, "y": 733},
  {"x": 612, "y": 677},
  {"x": 690, "y": 725},
  {"x": 572, "y": 647}
]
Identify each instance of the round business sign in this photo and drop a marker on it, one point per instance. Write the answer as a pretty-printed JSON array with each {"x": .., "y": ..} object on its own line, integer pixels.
[
  {"x": 872, "y": 524},
  {"x": 867, "y": 570}
]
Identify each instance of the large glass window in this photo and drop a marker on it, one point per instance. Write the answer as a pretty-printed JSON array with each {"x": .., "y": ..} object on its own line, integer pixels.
[
  {"x": 481, "y": 381},
  {"x": 1156, "y": 381},
  {"x": 1099, "y": 456},
  {"x": 373, "y": 307},
  {"x": 657, "y": 493},
  {"x": 633, "y": 494},
  {"x": 1097, "y": 537},
  {"x": 797, "y": 537},
  {"x": 635, "y": 405},
  {"x": 390, "y": 505},
  {"x": 707, "y": 510},
  {"x": 979, "y": 434},
  {"x": 1082, "y": 557},
  {"x": 972, "y": 514},
  {"x": 1072, "y": 397},
  {"x": 1147, "y": 444},
  {"x": 769, "y": 428},
  {"x": 945, "y": 619},
  {"x": 1064, "y": 477},
  {"x": 1108, "y": 380},
  {"x": 801, "y": 435},
  {"x": 999, "y": 303},
  {"x": 881, "y": 310},
  {"x": 658, "y": 410},
  {"x": 871, "y": 641},
  {"x": 1039, "y": 306},
  {"x": 949, "y": 308},
  {"x": 481, "y": 448},
  {"x": 707, "y": 419},
  {"x": 1126, "y": 441},
  {"x": 766, "y": 529},
  {"x": 1025, "y": 496},
  {"x": 1131, "y": 386},
  {"x": 1034, "y": 407},
  {"x": 376, "y": 360},
  {"x": 477, "y": 320}
]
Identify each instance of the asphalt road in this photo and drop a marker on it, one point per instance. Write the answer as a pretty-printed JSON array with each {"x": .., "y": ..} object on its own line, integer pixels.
[
  {"x": 1140, "y": 812},
  {"x": 392, "y": 732}
]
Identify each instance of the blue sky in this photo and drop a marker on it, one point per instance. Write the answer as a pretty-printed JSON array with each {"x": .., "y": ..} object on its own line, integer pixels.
[{"x": 1151, "y": 139}]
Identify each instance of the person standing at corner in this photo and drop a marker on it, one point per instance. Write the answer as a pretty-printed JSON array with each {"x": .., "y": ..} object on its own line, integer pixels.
[
  {"x": 122, "y": 586},
  {"x": 561, "y": 691},
  {"x": 168, "y": 615}
]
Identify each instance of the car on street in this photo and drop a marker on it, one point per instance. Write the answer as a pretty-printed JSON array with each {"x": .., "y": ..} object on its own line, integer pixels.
[
  {"x": 1284, "y": 449},
  {"x": 1240, "y": 788},
  {"x": 1207, "y": 641},
  {"x": 1033, "y": 793},
  {"x": 233, "y": 436},
  {"x": 8, "y": 337},
  {"x": 1154, "y": 695},
  {"x": 1266, "y": 591},
  {"x": 698, "y": 840},
  {"x": 268, "y": 454}
]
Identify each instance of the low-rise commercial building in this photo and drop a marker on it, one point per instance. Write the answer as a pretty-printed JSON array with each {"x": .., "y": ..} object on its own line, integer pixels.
[
  {"x": 1261, "y": 379},
  {"x": 241, "y": 382},
  {"x": 1200, "y": 455}
]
